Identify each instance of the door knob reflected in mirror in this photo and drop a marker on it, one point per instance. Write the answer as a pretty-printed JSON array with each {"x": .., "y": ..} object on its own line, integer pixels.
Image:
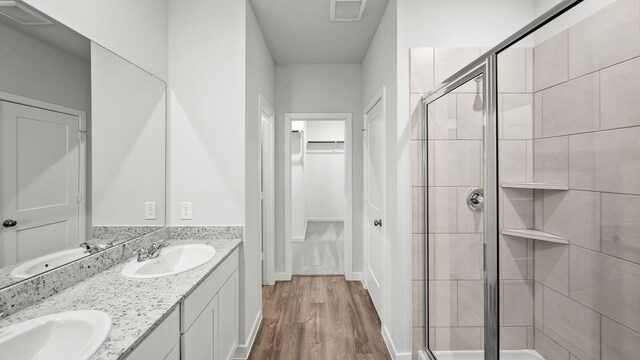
[
  {"x": 9, "y": 223},
  {"x": 377, "y": 222}
]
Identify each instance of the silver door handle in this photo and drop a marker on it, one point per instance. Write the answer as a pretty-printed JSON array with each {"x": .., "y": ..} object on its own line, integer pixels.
[
  {"x": 377, "y": 222},
  {"x": 475, "y": 199}
]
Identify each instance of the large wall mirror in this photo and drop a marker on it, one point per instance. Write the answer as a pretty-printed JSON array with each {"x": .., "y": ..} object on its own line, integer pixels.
[{"x": 82, "y": 147}]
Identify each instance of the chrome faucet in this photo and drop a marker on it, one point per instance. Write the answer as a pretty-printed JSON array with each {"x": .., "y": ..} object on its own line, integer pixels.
[
  {"x": 152, "y": 252},
  {"x": 90, "y": 248}
]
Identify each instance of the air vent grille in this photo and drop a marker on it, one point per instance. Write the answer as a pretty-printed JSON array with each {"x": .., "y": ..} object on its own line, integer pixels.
[
  {"x": 347, "y": 10},
  {"x": 22, "y": 14}
]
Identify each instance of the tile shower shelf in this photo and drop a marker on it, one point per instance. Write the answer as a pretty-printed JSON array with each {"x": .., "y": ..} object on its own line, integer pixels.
[
  {"x": 536, "y": 185},
  {"x": 536, "y": 235}
]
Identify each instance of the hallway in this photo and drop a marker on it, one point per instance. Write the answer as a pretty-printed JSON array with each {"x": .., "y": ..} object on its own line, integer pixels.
[
  {"x": 322, "y": 251},
  {"x": 318, "y": 317}
]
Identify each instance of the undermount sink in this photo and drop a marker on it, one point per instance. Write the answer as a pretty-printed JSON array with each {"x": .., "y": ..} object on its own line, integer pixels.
[
  {"x": 172, "y": 260},
  {"x": 61, "y": 336},
  {"x": 46, "y": 263}
]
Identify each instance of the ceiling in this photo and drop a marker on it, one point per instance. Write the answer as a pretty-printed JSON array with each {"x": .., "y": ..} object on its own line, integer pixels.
[{"x": 300, "y": 32}]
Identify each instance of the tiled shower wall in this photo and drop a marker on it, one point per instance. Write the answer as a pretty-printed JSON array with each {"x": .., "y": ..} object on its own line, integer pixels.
[
  {"x": 569, "y": 113},
  {"x": 587, "y": 135}
]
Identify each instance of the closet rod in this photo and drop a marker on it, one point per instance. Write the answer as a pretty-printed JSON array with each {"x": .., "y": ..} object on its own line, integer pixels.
[{"x": 325, "y": 142}]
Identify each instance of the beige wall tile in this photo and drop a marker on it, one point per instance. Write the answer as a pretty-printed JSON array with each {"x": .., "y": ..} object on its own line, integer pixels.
[
  {"x": 517, "y": 116},
  {"x": 549, "y": 349},
  {"x": 422, "y": 71},
  {"x": 551, "y": 160},
  {"x": 574, "y": 215},
  {"x": 443, "y": 210},
  {"x": 513, "y": 159},
  {"x": 417, "y": 209},
  {"x": 529, "y": 78},
  {"x": 450, "y": 60},
  {"x": 458, "y": 163},
  {"x": 537, "y": 115},
  {"x": 517, "y": 208},
  {"x": 512, "y": 67},
  {"x": 417, "y": 126},
  {"x": 572, "y": 325},
  {"x": 513, "y": 338},
  {"x": 417, "y": 342},
  {"x": 417, "y": 255},
  {"x": 552, "y": 266},
  {"x": 606, "y": 161},
  {"x": 609, "y": 285},
  {"x": 442, "y": 118},
  {"x": 469, "y": 221},
  {"x": 572, "y": 107},
  {"x": 619, "y": 89},
  {"x": 418, "y": 302},
  {"x": 443, "y": 303},
  {"x": 430, "y": 162},
  {"x": 610, "y": 36},
  {"x": 538, "y": 307},
  {"x": 470, "y": 121},
  {"x": 471, "y": 303},
  {"x": 518, "y": 303},
  {"x": 432, "y": 257},
  {"x": 621, "y": 226},
  {"x": 619, "y": 342},
  {"x": 458, "y": 257},
  {"x": 550, "y": 62},
  {"x": 513, "y": 258},
  {"x": 459, "y": 338}
]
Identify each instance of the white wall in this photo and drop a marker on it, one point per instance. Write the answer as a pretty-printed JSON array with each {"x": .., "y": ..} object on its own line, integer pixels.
[
  {"x": 135, "y": 30},
  {"x": 128, "y": 141},
  {"x": 298, "y": 204},
  {"x": 260, "y": 79},
  {"x": 37, "y": 70},
  {"x": 324, "y": 192},
  {"x": 320, "y": 89}
]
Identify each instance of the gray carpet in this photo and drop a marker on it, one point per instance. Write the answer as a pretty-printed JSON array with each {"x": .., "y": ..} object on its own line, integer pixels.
[{"x": 322, "y": 251}]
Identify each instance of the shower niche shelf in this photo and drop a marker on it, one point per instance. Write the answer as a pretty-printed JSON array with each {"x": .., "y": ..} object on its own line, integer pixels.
[
  {"x": 535, "y": 235},
  {"x": 536, "y": 186}
]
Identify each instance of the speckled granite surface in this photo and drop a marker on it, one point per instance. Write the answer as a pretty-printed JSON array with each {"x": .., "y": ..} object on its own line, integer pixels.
[
  {"x": 121, "y": 233},
  {"x": 136, "y": 307},
  {"x": 206, "y": 232}
]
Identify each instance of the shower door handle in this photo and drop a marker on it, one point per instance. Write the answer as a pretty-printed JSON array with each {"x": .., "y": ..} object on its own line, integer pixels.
[{"x": 377, "y": 222}]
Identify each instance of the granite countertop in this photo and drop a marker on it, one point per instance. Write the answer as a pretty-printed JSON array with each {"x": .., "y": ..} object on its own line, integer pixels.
[{"x": 136, "y": 306}]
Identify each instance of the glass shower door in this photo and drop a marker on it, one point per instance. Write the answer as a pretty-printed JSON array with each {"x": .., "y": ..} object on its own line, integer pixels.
[{"x": 454, "y": 201}]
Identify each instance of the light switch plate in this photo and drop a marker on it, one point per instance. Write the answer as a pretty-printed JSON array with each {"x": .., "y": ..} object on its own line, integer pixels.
[
  {"x": 150, "y": 210},
  {"x": 186, "y": 210}
]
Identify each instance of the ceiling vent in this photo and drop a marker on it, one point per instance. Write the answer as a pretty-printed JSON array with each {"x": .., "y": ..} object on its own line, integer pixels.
[
  {"x": 347, "y": 10},
  {"x": 22, "y": 14}
]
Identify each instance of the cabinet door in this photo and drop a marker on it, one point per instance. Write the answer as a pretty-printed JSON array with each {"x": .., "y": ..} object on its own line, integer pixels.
[
  {"x": 200, "y": 342},
  {"x": 163, "y": 343},
  {"x": 228, "y": 319}
]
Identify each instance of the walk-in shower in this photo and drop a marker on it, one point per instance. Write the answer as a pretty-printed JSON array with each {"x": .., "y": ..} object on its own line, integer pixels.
[{"x": 529, "y": 184}]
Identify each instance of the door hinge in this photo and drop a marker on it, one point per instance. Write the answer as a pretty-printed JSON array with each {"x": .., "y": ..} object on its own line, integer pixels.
[
  {"x": 78, "y": 198},
  {"x": 261, "y": 195},
  {"x": 81, "y": 133}
]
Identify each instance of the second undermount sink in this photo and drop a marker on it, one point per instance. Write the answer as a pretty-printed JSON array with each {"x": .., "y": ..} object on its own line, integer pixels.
[
  {"x": 61, "y": 336},
  {"x": 172, "y": 260}
]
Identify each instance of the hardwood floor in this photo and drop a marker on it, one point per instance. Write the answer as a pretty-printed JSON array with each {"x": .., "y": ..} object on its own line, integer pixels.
[{"x": 318, "y": 317}]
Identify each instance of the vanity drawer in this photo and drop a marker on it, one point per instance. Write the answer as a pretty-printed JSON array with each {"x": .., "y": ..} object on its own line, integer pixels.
[
  {"x": 163, "y": 343},
  {"x": 198, "y": 300}
]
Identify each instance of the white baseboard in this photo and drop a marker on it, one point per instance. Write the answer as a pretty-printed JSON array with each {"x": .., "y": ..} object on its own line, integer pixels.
[
  {"x": 355, "y": 276},
  {"x": 282, "y": 276},
  {"x": 243, "y": 351},
  {"x": 297, "y": 238},
  {"x": 395, "y": 355},
  {"x": 324, "y": 219}
]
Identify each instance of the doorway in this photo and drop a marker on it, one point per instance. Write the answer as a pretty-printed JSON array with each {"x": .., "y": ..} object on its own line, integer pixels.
[
  {"x": 267, "y": 192},
  {"x": 318, "y": 173}
]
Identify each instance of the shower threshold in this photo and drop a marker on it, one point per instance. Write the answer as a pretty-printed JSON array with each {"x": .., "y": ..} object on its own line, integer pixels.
[{"x": 479, "y": 355}]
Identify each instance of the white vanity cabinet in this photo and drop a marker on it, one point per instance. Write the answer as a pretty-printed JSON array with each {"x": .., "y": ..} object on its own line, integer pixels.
[
  {"x": 163, "y": 343},
  {"x": 209, "y": 321},
  {"x": 206, "y": 325}
]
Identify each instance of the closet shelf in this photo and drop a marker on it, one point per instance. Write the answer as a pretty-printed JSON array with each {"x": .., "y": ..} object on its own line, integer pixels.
[
  {"x": 536, "y": 185},
  {"x": 535, "y": 235}
]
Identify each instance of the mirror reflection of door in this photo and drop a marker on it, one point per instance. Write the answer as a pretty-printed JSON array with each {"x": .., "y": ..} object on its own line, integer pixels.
[{"x": 40, "y": 181}]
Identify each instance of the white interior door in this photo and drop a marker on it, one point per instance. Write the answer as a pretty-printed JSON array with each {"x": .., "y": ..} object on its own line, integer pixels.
[
  {"x": 374, "y": 203},
  {"x": 39, "y": 158},
  {"x": 267, "y": 194}
]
